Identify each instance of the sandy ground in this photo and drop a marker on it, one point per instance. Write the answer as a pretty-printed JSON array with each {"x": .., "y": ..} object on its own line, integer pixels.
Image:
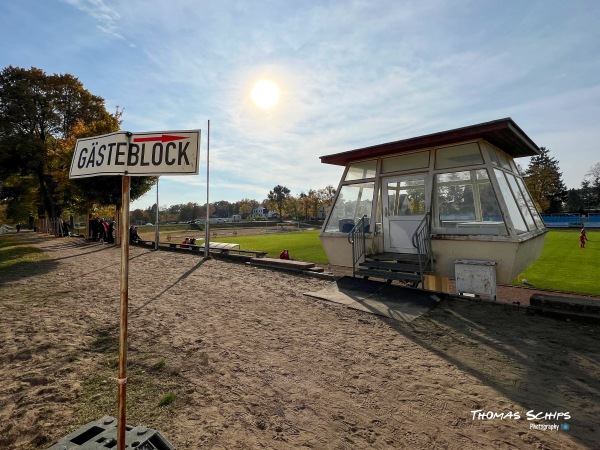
[{"x": 252, "y": 363}]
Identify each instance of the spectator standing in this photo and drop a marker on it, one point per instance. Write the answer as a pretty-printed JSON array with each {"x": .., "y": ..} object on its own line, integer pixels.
[
  {"x": 94, "y": 229},
  {"x": 98, "y": 229},
  {"x": 582, "y": 237},
  {"x": 110, "y": 234},
  {"x": 103, "y": 229}
]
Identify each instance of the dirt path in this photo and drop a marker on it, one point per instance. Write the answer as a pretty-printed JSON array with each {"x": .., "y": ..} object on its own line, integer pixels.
[{"x": 253, "y": 363}]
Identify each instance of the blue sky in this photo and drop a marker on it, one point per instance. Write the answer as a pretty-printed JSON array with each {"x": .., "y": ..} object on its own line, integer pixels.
[{"x": 351, "y": 74}]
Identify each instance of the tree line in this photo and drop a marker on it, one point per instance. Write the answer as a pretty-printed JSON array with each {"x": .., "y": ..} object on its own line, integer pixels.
[
  {"x": 304, "y": 206},
  {"x": 42, "y": 116},
  {"x": 550, "y": 194}
]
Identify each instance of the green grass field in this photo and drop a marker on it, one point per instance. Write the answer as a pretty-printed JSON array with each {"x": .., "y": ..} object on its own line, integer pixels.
[
  {"x": 302, "y": 245},
  {"x": 13, "y": 252},
  {"x": 564, "y": 266}
]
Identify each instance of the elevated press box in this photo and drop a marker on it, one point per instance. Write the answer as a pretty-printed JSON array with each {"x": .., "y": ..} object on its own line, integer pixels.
[
  {"x": 461, "y": 189},
  {"x": 102, "y": 434}
]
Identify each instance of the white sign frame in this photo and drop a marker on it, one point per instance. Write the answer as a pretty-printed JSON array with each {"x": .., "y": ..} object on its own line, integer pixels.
[{"x": 151, "y": 153}]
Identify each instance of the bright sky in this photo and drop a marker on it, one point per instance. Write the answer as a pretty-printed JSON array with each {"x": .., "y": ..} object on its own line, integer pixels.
[{"x": 350, "y": 74}]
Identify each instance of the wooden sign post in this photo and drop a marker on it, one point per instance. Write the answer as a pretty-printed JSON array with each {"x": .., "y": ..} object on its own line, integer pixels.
[{"x": 133, "y": 154}]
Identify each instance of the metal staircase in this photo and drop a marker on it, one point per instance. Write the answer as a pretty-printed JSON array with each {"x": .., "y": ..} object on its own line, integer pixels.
[{"x": 405, "y": 267}]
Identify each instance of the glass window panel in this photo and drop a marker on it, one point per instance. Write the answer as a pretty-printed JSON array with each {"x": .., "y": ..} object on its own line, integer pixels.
[
  {"x": 453, "y": 177},
  {"x": 405, "y": 198},
  {"x": 490, "y": 208},
  {"x": 458, "y": 155},
  {"x": 504, "y": 160},
  {"x": 521, "y": 201},
  {"x": 536, "y": 215},
  {"x": 482, "y": 174},
  {"x": 513, "y": 209},
  {"x": 466, "y": 204},
  {"x": 361, "y": 170},
  {"x": 405, "y": 162},
  {"x": 493, "y": 156},
  {"x": 354, "y": 201},
  {"x": 415, "y": 182},
  {"x": 456, "y": 203},
  {"x": 378, "y": 228}
]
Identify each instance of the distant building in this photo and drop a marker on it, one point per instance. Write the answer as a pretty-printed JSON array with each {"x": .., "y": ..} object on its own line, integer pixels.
[
  {"x": 321, "y": 213},
  {"x": 261, "y": 211}
]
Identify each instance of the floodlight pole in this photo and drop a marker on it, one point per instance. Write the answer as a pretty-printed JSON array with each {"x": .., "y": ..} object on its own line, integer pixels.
[
  {"x": 207, "y": 227},
  {"x": 122, "y": 378}
]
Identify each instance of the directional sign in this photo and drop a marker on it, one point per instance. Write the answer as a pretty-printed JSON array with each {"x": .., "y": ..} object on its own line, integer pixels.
[{"x": 137, "y": 154}]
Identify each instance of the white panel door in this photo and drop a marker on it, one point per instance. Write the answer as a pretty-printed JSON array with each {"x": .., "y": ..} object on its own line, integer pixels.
[{"x": 403, "y": 209}]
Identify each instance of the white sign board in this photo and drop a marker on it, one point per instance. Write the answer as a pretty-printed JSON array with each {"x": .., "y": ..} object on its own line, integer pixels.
[{"x": 137, "y": 154}]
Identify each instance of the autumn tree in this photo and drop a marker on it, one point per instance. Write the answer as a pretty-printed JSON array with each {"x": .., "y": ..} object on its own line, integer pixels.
[
  {"x": 304, "y": 204},
  {"x": 544, "y": 181},
  {"x": 193, "y": 211},
  {"x": 86, "y": 194},
  {"x": 245, "y": 206},
  {"x": 138, "y": 215},
  {"x": 41, "y": 116},
  {"x": 277, "y": 198},
  {"x": 326, "y": 196},
  {"x": 223, "y": 208},
  {"x": 18, "y": 194},
  {"x": 312, "y": 201},
  {"x": 37, "y": 112},
  {"x": 293, "y": 206}
]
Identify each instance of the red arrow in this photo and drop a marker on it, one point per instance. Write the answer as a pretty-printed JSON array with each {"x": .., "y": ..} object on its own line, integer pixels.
[{"x": 162, "y": 138}]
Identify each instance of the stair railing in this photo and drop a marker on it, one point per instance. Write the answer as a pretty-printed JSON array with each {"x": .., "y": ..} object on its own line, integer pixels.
[
  {"x": 421, "y": 240},
  {"x": 356, "y": 237}
]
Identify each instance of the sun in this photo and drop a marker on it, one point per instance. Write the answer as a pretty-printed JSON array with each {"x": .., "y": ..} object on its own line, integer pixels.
[{"x": 265, "y": 93}]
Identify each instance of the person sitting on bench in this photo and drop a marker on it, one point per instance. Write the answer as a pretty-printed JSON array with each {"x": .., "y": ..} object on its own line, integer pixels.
[{"x": 133, "y": 234}]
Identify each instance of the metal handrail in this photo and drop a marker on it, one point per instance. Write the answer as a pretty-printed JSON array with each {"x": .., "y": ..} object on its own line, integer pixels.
[
  {"x": 421, "y": 240},
  {"x": 356, "y": 237}
]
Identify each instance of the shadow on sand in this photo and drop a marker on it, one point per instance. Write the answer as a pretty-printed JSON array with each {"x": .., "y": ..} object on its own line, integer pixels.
[{"x": 543, "y": 364}]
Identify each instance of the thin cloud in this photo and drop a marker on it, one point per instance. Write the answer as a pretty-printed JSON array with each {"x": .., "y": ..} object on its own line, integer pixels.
[
  {"x": 107, "y": 17},
  {"x": 352, "y": 74}
]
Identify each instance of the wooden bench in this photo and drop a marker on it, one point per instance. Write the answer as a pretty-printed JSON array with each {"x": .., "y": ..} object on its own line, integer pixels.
[
  {"x": 218, "y": 246},
  {"x": 223, "y": 246}
]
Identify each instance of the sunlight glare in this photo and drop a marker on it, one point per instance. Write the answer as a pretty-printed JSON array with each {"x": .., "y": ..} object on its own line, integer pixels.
[{"x": 265, "y": 94}]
